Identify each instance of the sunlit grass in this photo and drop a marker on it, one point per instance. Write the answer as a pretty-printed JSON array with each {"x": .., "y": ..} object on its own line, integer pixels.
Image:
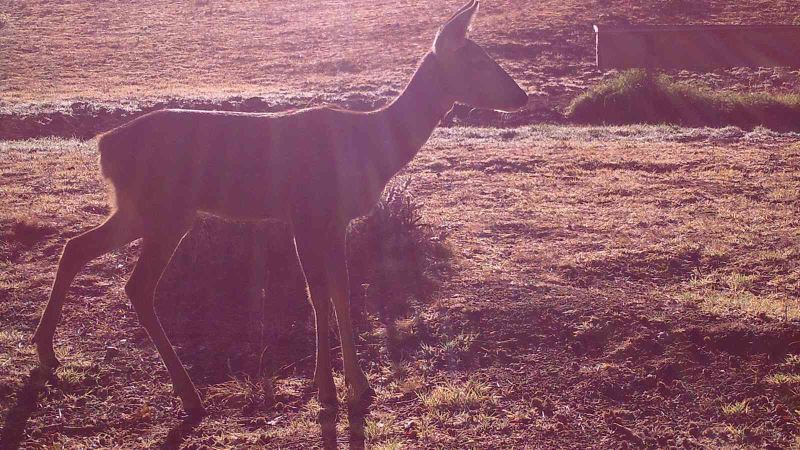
[
  {"x": 741, "y": 301},
  {"x": 11, "y": 337},
  {"x": 792, "y": 362},
  {"x": 739, "y": 282},
  {"x": 778, "y": 379},
  {"x": 457, "y": 396},
  {"x": 736, "y": 408},
  {"x": 74, "y": 374},
  {"x": 380, "y": 428}
]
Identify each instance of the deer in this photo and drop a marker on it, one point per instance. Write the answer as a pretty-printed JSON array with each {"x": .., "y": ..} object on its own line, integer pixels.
[{"x": 315, "y": 168}]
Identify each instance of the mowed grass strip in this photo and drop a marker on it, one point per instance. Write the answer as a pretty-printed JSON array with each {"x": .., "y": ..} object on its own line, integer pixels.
[{"x": 638, "y": 96}]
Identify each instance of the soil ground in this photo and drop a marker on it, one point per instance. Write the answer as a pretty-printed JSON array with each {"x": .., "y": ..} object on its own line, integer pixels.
[{"x": 607, "y": 288}]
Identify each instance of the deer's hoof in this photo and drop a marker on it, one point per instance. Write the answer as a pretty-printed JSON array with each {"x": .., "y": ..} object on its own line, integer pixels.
[
  {"x": 196, "y": 412},
  {"x": 359, "y": 406},
  {"x": 47, "y": 358}
]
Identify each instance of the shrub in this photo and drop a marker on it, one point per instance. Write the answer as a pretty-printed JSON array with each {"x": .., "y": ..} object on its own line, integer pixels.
[{"x": 392, "y": 255}]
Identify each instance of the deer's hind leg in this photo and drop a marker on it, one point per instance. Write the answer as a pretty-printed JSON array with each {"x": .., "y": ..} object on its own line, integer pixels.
[
  {"x": 158, "y": 245},
  {"x": 322, "y": 252},
  {"x": 119, "y": 229}
]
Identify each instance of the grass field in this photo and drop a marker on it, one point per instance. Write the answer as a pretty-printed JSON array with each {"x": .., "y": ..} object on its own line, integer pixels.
[
  {"x": 588, "y": 287},
  {"x": 608, "y": 286},
  {"x": 75, "y": 69}
]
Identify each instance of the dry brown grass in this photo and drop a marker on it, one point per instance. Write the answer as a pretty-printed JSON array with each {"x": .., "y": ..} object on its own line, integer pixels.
[
  {"x": 592, "y": 269},
  {"x": 607, "y": 287},
  {"x": 75, "y": 60}
]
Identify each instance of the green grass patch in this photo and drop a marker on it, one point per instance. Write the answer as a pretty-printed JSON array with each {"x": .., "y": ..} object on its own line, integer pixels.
[
  {"x": 736, "y": 408},
  {"x": 726, "y": 301},
  {"x": 458, "y": 397},
  {"x": 782, "y": 379},
  {"x": 636, "y": 96}
]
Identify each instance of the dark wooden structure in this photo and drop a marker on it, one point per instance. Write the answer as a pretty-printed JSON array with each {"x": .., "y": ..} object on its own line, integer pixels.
[{"x": 697, "y": 47}]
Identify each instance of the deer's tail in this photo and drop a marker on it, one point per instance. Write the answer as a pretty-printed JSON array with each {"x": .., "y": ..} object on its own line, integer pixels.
[{"x": 117, "y": 164}]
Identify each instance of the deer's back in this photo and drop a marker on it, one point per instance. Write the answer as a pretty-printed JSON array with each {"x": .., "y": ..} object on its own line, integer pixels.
[{"x": 242, "y": 164}]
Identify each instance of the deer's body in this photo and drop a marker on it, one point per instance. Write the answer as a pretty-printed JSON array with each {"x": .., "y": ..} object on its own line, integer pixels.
[
  {"x": 315, "y": 168},
  {"x": 254, "y": 166},
  {"x": 248, "y": 166}
]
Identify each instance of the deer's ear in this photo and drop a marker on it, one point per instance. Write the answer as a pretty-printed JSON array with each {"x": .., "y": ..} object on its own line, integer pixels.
[{"x": 453, "y": 34}]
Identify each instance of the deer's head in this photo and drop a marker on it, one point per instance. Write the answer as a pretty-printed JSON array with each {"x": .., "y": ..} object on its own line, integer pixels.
[{"x": 470, "y": 74}]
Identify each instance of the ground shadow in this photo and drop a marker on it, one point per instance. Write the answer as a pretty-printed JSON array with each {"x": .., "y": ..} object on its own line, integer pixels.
[
  {"x": 179, "y": 432},
  {"x": 232, "y": 290},
  {"x": 27, "y": 402},
  {"x": 233, "y": 300}
]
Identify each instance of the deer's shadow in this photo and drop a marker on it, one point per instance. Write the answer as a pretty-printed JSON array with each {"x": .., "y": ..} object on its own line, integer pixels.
[
  {"x": 179, "y": 432},
  {"x": 26, "y": 404}
]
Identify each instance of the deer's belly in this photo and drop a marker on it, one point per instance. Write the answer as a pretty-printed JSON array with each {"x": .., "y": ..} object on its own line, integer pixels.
[{"x": 244, "y": 201}]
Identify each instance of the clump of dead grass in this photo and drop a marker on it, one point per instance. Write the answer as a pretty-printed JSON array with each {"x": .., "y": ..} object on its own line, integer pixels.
[
  {"x": 393, "y": 256},
  {"x": 638, "y": 96},
  {"x": 242, "y": 393},
  {"x": 457, "y": 397},
  {"x": 26, "y": 231}
]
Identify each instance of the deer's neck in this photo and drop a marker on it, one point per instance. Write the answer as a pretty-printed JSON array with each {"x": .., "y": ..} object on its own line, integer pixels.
[{"x": 410, "y": 119}]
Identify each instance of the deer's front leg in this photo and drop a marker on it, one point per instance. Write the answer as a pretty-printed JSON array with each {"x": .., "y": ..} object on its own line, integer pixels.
[
  {"x": 323, "y": 376},
  {"x": 319, "y": 293},
  {"x": 359, "y": 393}
]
